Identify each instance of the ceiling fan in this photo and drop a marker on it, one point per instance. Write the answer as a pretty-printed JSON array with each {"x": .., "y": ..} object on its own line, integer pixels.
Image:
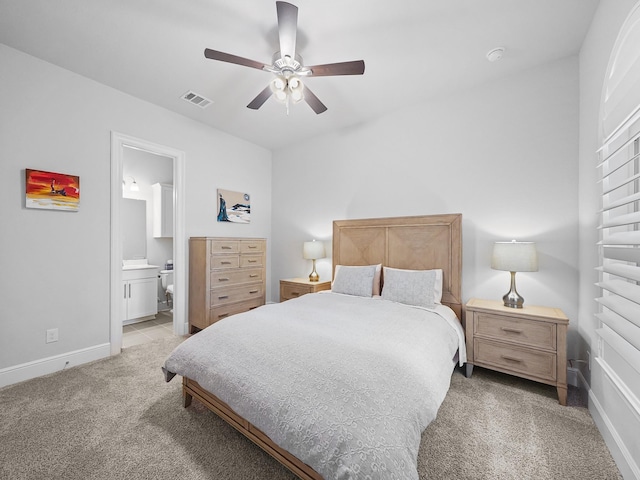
[{"x": 287, "y": 66}]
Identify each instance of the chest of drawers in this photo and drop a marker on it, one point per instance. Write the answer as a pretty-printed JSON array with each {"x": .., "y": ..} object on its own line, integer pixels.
[
  {"x": 226, "y": 276},
  {"x": 528, "y": 342}
]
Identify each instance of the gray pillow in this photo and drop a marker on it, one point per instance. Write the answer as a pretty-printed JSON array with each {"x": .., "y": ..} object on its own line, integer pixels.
[
  {"x": 354, "y": 280},
  {"x": 411, "y": 287}
]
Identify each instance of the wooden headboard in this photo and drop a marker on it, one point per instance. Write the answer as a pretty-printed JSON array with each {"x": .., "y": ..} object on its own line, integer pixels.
[{"x": 416, "y": 243}]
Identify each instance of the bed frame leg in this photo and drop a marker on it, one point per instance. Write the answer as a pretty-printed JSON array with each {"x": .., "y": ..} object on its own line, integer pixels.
[
  {"x": 186, "y": 399},
  {"x": 468, "y": 369}
]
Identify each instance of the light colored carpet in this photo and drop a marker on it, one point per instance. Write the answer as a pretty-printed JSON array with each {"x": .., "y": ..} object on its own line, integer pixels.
[{"x": 118, "y": 419}]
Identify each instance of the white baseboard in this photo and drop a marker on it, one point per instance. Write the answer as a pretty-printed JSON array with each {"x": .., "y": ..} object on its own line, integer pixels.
[
  {"x": 44, "y": 366},
  {"x": 623, "y": 459},
  {"x": 616, "y": 400}
]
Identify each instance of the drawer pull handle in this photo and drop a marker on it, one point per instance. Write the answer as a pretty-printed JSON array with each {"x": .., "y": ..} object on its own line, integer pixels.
[
  {"x": 222, "y": 315},
  {"x": 511, "y": 359},
  {"x": 225, "y": 263},
  {"x": 252, "y": 261},
  {"x": 253, "y": 291},
  {"x": 225, "y": 247},
  {"x": 223, "y": 279},
  {"x": 252, "y": 246},
  {"x": 295, "y": 294},
  {"x": 222, "y": 297},
  {"x": 511, "y": 330},
  {"x": 253, "y": 275}
]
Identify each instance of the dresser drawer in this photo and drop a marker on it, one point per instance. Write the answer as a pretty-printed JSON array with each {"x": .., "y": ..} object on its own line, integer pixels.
[
  {"x": 516, "y": 330},
  {"x": 225, "y": 261},
  {"x": 236, "y": 294},
  {"x": 287, "y": 291},
  {"x": 527, "y": 362},
  {"x": 225, "y": 246},
  {"x": 251, "y": 246},
  {"x": 224, "y": 311},
  {"x": 250, "y": 260},
  {"x": 221, "y": 279}
]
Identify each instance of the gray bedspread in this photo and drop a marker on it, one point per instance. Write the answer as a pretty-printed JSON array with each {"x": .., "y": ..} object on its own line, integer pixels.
[{"x": 346, "y": 384}]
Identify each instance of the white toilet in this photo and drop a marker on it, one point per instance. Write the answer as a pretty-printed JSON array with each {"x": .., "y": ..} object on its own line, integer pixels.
[{"x": 166, "y": 279}]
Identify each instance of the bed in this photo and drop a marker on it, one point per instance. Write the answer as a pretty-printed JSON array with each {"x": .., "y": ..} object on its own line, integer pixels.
[{"x": 337, "y": 384}]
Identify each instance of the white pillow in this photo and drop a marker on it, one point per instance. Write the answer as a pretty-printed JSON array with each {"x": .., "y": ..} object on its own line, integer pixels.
[
  {"x": 422, "y": 288},
  {"x": 354, "y": 280}
]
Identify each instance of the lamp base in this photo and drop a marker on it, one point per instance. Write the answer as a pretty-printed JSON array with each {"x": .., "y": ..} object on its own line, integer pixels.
[
  {"x": 313, "y": 276},
  {"x": 512, "y": 299}
]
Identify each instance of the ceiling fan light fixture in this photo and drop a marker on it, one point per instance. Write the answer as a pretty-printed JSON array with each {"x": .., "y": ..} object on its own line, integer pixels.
[
  {"x": 278, "y": 84},
  {"x": 280, "y": 96},
  {"x": 297, "y": 96},
  {"x": 294, "y": 84}
]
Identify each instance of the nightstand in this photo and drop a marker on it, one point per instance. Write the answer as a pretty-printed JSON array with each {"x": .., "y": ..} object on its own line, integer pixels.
[
  {"x": 529, "y": 342},
  {"x": 296, "y": 287}
]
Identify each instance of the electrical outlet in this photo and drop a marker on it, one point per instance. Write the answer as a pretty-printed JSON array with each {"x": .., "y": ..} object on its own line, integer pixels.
[{"x": 52, "y": 335}]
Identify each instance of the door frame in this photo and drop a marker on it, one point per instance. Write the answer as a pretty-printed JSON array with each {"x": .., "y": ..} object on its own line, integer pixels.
[{"x": 118, "y": 142}]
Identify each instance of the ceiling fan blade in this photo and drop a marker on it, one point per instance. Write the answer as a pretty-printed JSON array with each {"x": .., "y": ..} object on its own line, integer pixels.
[
  {"x": 227, "y": 57},
  {"x": 262, "y": 97},
  {"x": 287, "y": 28},
  {"x": 344, "y": 68},
  {"x": 313, "y": 101}
]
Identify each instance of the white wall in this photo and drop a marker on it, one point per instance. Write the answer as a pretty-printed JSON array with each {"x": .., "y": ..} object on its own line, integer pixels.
[
  {"x": 52, "y": 119},
  {"x": 615, "y": 416},
  {"x": 503, "y": 154}
]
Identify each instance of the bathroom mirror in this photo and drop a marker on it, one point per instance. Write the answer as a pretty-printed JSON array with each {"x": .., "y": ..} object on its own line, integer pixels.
[{"x": 134, "y": 228}]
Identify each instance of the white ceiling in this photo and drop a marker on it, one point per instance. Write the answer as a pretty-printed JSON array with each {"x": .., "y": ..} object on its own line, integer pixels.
[{"x": 413, "y": 50}]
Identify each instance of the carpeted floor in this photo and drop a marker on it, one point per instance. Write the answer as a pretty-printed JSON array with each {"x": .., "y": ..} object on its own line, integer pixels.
[{"x": 118, "y": 419}]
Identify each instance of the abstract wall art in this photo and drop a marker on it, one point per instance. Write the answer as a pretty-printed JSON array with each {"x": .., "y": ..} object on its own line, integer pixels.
[
  {"x": 52, "y": 191},
  {"x": 234, "y": 207}
]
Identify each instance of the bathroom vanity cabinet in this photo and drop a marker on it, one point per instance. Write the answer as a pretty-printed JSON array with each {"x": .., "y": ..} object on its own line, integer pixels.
[{"x": 139, "y": 294}]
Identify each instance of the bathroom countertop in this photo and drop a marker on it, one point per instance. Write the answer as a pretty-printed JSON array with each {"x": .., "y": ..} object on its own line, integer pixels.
[{"x": 139, "y": 267}]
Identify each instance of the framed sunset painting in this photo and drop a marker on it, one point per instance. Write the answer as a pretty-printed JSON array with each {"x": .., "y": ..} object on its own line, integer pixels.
[{"x": 52, "y": 191}]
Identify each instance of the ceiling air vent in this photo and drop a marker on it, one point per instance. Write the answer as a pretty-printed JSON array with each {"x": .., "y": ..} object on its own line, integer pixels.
[{"x": 196, "y": 99}]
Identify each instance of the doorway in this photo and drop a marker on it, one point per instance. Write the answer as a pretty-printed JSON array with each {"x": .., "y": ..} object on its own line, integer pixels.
[
  {"x": 120, "y": 146},
  {"x": 147, "y": 239}
]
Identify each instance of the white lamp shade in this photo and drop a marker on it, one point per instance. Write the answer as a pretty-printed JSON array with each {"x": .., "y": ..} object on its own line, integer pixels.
[
  {"x": 515, "y": 256},
  {"x": 313, "y": 250}
]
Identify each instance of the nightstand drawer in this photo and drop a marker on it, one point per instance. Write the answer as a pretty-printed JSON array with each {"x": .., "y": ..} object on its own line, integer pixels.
[
  {"x": 222, "y": 279},
  {"x": 527, "y": 362},
  {"x": 516, "y": 330},
  {"x": 296, "y": 287},
  {"x": 287, "y": 292}
]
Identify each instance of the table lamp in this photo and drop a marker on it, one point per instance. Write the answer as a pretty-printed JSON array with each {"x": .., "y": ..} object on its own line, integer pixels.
[
  {"x": 514, "y": 257},
  {"x": 312, "y": 251}
]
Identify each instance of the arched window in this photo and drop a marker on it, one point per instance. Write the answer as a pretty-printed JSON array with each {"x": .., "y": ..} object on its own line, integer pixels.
[{"x": 619, "y": 171}]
